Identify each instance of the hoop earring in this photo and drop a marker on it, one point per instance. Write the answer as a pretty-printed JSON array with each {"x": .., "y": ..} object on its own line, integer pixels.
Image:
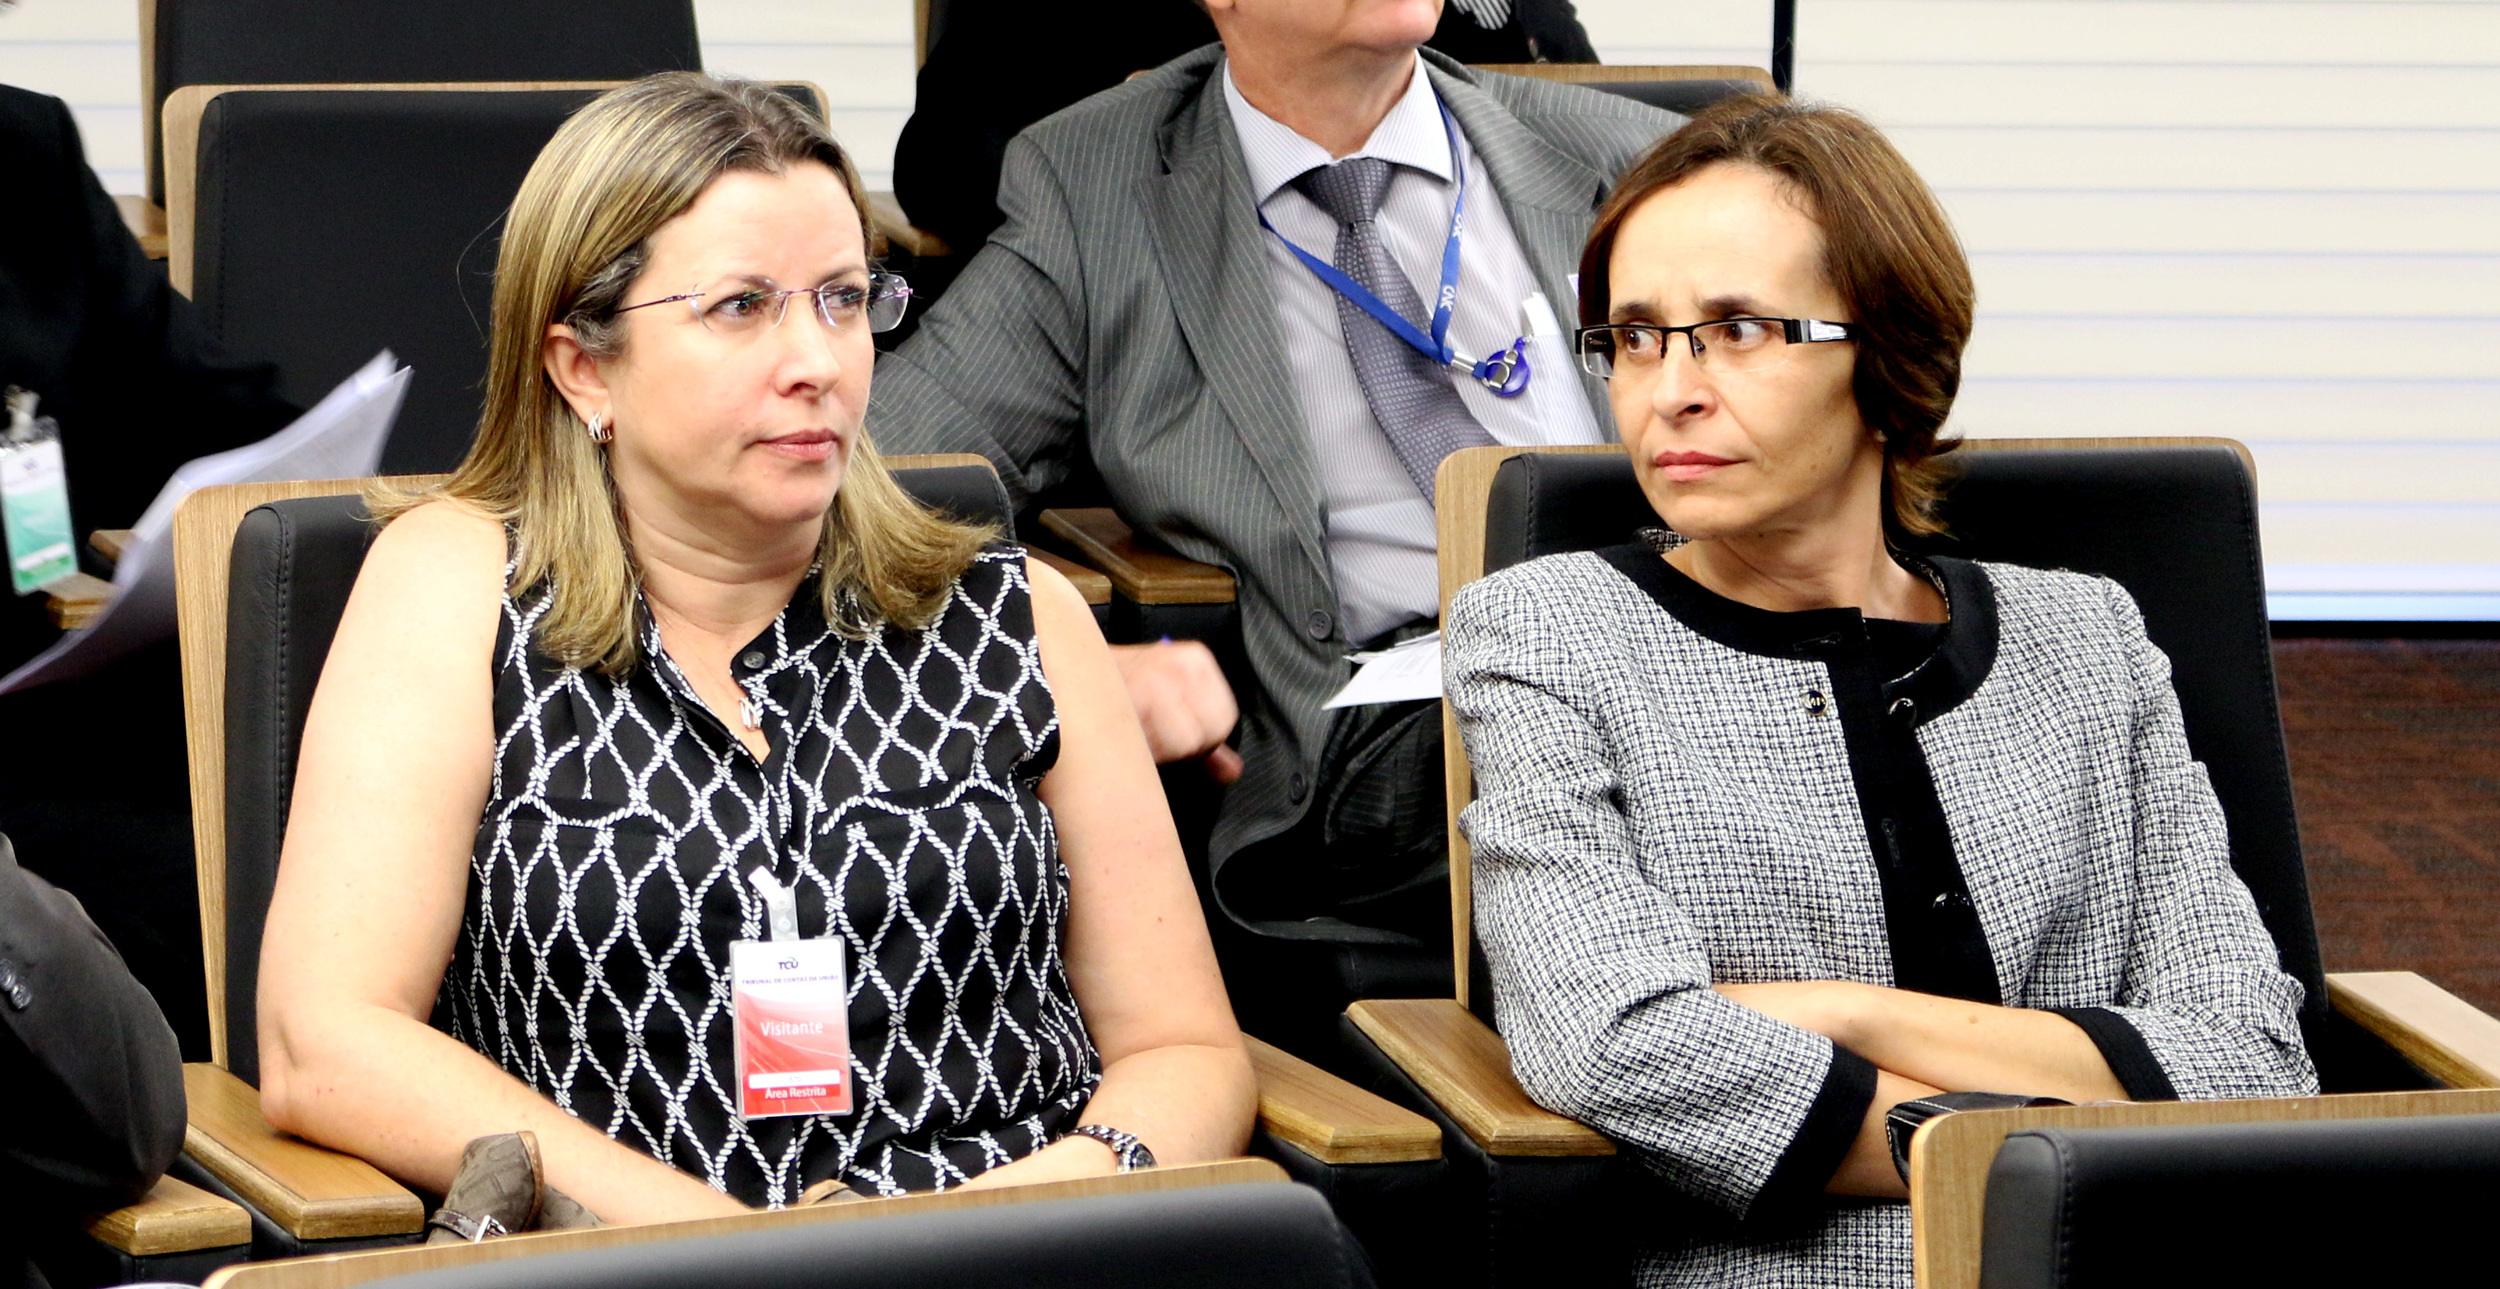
[{"x": 598, "y": 432}]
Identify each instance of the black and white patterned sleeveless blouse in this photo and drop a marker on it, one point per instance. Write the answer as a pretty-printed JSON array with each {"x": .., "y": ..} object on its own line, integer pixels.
[{"x": 609, "y": 879}]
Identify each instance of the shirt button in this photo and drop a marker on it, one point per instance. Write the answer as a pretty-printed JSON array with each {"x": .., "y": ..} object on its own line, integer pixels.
[
  {"x": 1815, "y": 703},
  {"x": 1301, "y": 787},
  {"x": 1320, "y": 624},
  {"x": 754, "y": 658}
]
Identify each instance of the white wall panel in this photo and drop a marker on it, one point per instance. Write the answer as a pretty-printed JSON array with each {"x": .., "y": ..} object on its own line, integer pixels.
[
  {"x": 2228, "y": 223},
  {"x": 2348, "y": 413},
  {"x": 2123, "y": 32},
  {"x": 2352, "y": 286},
  {"x": 2191, "y": 158}
]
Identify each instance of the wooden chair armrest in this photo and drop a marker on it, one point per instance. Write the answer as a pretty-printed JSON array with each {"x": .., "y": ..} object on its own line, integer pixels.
[
  {"x": 1951, "y": 1154},
  {"x": 1089, "y": 582},
  {"x": 1332, "y": 1120},
  {"x": 313, "y": 1193},
  {"x": 77, "y": 600},
  {"x": 174, "y": 1217},
  {"x": 1464, "y": 1067},
  {"x": 110, "y": 542},
  {"x": 1148, "y": 576},
  {"x": 340, "y": 1270},
  {"x": 887, "y": 220},
  {"x": 146, "y": 222},
  {"x": 2452, "y": 1040}
]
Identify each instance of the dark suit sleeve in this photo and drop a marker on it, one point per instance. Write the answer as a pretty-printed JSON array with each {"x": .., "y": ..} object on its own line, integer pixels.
[
  {"x": 1001, "y": 65},
  {"x": 148, "y": 379},
  {"x": 998, "y": 366},
  {"x": 96, "y": 1106}
]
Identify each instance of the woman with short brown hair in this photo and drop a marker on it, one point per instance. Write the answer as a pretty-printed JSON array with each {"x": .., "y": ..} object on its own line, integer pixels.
[{"x": 1784, "y": 834}]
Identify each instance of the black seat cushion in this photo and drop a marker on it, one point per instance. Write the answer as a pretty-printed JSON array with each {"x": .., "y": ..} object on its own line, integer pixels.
[
  {"x": 390, "y": 42},
  {"x": 2351, "y": 1201},
  {"x": 1252, "y": 1236},
  {"x": 2176, "y": 526},
  {"x": 294, "y": 563}
]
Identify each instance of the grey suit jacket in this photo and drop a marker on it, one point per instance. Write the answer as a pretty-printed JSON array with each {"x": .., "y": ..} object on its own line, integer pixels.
[{"x": 1122, "y": 315}]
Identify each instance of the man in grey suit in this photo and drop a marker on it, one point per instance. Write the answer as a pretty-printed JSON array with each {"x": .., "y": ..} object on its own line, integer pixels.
[{"x": 1165, "y": 316}]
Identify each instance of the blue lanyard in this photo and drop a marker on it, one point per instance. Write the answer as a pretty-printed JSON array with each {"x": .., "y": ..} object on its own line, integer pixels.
[{"x": 1506, "y": 372}]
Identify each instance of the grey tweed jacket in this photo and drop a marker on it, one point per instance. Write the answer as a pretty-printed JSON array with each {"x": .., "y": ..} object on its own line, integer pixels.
[
  {"x": 1667, "y": 799},
  {"x": 1122, "y": 317}
]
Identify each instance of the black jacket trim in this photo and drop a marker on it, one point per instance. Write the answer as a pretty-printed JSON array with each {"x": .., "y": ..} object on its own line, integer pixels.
[
  {"x": 1831, "y": 1126},
  {"x": 1938, "y": 945},
  {"x": 2129, "y": 1057}
]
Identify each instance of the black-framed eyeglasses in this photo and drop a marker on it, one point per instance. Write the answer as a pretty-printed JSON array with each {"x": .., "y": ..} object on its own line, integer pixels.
[
  {"x": 753, "y": 310},
  {"x": 1722, "y": 344}
]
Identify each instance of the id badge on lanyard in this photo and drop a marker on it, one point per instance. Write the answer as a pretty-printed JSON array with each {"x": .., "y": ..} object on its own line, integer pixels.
[
  {"x": 792, "y": 1003},
  {"x": 1506, "y": 373},
  {"x": 34, "y": 499}
]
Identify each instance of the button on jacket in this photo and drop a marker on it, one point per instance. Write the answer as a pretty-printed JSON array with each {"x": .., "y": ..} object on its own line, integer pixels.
[{"x": 1676, "y": 790}]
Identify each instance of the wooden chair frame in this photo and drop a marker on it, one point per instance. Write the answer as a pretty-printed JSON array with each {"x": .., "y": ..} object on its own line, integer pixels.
[
  {"x": 318, "y": 1194},
  {"x": 1464, "y": 1066}
]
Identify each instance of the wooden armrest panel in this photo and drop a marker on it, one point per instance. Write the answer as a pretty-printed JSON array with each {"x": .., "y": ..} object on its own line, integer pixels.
[
  {"x": 77, "y": 600},
  {"x": 1465, "y": 1068},
  {"x": 1332, "y": 1120},
  {"x": 1143, "y": 574},
  {"x": 1951, "y": 1155},
  {"x": 886, "y": 218},
  {"x": 1089, "y": 582},
  {"x": 2452, "y": 1040},
  {"x": 174, "y": 1217},
  {"x": 146, "y": 222},
  {"x": 110, "y": 542},
  {"x": 315, "y": 1194},
  {"x": 340, "y": 1270}
]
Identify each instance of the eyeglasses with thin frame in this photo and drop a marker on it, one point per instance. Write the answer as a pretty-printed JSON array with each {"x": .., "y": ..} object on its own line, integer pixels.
[
  {"x": 750, "y": 311},
  {"x": 1723, "y": 344}
]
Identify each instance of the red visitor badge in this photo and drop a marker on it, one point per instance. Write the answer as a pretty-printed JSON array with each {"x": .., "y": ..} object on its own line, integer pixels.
[{"x": 794, "y": 1031}]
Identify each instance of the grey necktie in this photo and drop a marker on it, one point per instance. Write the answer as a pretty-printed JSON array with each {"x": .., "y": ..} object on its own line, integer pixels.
[{"x": 1410, "y": 395}]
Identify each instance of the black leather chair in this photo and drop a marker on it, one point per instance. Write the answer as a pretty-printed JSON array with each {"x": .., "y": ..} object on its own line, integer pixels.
[
  {"x": 2175, "y": 525},
  {"x": 1272, "y": 1236},
  {"x": 317, "y": 227},
  {"x": 2347, "y": 1201},
  {"x": 327, "y": 42},
  {"x": 292, "y": 565}
]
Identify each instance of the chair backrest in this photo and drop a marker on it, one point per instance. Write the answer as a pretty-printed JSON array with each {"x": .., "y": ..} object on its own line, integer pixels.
[
  {"x": 1251, "y": 1236},
  {"x": 2206, "y": 1204},
  {"x": 263, "y": 572},
  {"x": 1676, "y": 89},
  {"x": 336, "y": 42},
  {"x": 2172, "y": 520},
  {"x": 314, "y": 226},
  {"x": 1953, "y": 1201}
]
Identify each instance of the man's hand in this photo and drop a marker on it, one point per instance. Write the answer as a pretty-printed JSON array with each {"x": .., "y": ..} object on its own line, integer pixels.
[{"x": 1183, "y": 702}]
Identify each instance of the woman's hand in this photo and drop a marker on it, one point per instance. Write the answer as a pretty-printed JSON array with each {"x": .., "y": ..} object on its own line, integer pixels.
[{"x": 1949, "y": 1043}]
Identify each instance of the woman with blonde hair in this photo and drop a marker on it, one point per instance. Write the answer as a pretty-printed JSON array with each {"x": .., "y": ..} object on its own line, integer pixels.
[{"x": 671, "y": 668}]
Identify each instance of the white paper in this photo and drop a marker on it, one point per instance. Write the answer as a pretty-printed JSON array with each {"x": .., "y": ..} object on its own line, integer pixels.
[
  {"x": 340, "y": 438},
  {"x": 1409, "y": 671}
]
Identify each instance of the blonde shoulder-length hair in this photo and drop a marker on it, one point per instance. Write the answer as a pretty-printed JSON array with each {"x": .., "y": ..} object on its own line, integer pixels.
[{"x": 577, "y": 238}]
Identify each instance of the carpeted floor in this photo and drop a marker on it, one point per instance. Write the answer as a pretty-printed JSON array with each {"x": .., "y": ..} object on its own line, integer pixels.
[{"x": 2395, "y": 750}]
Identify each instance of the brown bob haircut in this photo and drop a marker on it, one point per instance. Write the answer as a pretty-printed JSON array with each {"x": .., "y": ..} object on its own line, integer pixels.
[{"x": 1887, "y": 249}]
